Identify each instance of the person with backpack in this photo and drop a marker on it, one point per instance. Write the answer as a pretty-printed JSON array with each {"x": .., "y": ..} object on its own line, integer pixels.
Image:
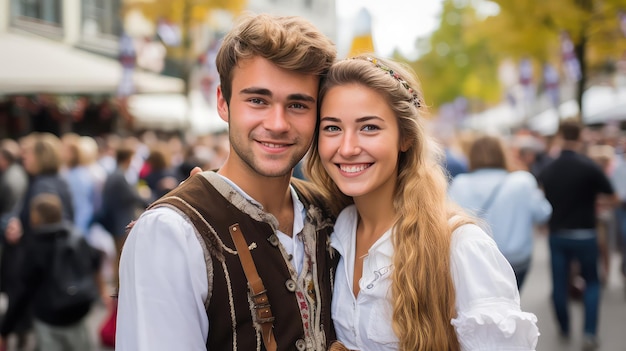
[
  {"x": 60, "y": 278},
  {"x": 41, "y": 159}
]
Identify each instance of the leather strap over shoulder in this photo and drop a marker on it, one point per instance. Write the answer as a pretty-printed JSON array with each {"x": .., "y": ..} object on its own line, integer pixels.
[{"x": 258, "y": 294}]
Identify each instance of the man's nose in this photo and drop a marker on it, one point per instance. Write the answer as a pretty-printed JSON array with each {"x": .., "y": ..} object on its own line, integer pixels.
[{"x": 277, "y": 120}]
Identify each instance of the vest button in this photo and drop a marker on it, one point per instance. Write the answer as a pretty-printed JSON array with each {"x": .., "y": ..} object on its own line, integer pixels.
[
  {"x": 291, "y": 285},
  {"x": 273, "y": 239},
  {"x": 300, "y": 345}
]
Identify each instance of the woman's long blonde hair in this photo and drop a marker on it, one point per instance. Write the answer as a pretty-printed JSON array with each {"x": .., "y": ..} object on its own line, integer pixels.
[{"x": 422, "y": 290}]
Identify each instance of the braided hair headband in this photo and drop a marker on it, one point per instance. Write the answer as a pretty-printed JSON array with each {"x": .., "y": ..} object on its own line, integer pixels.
[{"x": 415, "y": 100}]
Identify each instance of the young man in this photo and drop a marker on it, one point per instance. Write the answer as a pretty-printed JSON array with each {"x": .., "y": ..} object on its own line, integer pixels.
[
  {"x": 183, "y": 285},
  {"x": 572, "y": 184},
  {"x": 120, "y": 201}
]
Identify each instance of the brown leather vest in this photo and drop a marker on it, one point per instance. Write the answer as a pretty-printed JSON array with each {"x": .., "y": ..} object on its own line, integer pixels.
[{"x": 212, "y": 206}]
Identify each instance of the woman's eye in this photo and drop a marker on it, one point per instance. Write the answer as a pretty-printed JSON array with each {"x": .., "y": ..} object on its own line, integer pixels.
[
  {"x": 331, "y": 128},
  {"x": 370, "y": 127}
]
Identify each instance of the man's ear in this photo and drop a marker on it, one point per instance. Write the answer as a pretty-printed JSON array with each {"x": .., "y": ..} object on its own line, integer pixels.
[{"x": 222, "y": 105}]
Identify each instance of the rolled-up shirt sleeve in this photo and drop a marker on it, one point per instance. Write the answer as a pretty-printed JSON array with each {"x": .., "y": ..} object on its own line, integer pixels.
[
  {"x": 489, "y": 316},
  {"x": 163, "y": 286}
]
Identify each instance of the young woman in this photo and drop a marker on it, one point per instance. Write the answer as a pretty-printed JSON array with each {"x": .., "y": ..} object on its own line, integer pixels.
[{"x": 415, "y": 272}]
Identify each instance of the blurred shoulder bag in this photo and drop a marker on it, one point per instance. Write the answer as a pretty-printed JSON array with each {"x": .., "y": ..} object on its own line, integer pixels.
[
  {"x": 258, "y": 294},
  {"x": 482, "y": 210}
]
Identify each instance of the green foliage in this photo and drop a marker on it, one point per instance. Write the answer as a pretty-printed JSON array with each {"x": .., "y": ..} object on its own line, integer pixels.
[
  {"x": 459, "y": 62},
  {"x": 533, "y": 28}
]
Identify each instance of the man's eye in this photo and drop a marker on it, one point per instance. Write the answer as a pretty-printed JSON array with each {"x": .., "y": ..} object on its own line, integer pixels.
[
  {"x": 255, "y": 101},
  {"x": 298, "y": 106}
]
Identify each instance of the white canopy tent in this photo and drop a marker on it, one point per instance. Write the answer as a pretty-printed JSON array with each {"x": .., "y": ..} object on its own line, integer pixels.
[
  {"x": 30, "y": 64},
  {"x": 496, "y": 119},
  {"x": 602, "y": 104},
  {"x": 175, "y": 111},
  {"x": 547, "y": 122}
]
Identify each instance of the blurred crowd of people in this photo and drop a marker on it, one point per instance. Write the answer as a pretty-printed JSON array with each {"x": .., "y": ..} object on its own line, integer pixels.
[
  {"x": 571, "y": 186},
  {"x": 102, "y": 182},
  {"x": 91, "y": 115},
  {"x": 528, "y": 151}
]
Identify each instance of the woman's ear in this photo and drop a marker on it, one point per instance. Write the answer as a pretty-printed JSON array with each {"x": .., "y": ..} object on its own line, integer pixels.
[{"x": 405, "y": 144}]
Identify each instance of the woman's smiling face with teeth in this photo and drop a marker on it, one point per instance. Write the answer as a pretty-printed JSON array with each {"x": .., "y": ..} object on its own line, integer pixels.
[{"x": 359, "y": 140}]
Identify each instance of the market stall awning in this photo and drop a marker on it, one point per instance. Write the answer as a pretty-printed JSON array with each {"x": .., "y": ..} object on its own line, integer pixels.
[
  {"x": 602, "y": 104},
  {"x": 175, "y": 111},
  {"x": 31, "y": 64}
]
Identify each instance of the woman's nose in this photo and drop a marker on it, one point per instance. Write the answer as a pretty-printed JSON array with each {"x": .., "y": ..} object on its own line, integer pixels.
[{"x": 349, "y": 145}]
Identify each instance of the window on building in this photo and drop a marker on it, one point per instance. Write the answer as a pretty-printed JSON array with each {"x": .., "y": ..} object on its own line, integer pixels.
[
  {"x": 100, "y": 26},
  {"x": 41, "y": 11},
  {"x": 44, "y": 17},
  {"x": 101, "y": 18}
]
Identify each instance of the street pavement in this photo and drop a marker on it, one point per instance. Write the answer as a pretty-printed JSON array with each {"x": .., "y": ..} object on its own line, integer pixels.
[
  {"x": 535, "y": 298},
  {"x": 97, "y": 316}
]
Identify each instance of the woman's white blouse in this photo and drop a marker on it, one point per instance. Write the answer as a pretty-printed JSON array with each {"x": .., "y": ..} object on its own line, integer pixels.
[{"x": 487, "y": 300}]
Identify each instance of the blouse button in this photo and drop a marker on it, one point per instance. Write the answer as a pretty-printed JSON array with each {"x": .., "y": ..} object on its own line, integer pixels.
[
  {"x": 300, "y": 345},
  {"x": 291, "y": 285}
]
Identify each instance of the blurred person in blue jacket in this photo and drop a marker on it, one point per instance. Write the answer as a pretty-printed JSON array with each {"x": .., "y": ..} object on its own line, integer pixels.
[
  {"x": 78, "y": 177},
  {"x": 121, "y": 201},
  {"x": 511, "y": 203}
]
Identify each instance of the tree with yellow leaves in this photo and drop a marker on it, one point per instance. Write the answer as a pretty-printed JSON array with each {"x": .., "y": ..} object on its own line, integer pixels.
[
  {"x": 462, "y": 56},
  {"x": 537, "y": 28},
  {"x": 185, "y": 14}
]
